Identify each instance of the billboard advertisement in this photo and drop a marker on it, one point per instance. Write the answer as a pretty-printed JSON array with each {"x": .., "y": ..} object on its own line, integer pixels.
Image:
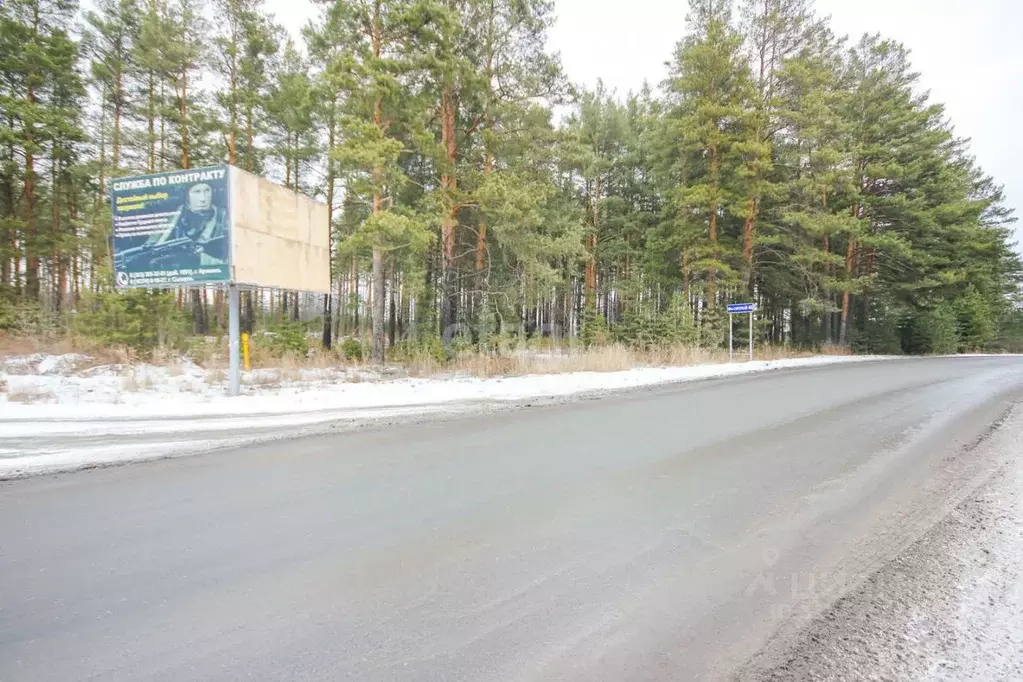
[{"x": 172, "y": 229}]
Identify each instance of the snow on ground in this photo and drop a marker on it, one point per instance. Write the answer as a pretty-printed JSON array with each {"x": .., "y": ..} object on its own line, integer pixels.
[
  {"x": 148, "y": 392},
  {"x": 55, "y": 411}
]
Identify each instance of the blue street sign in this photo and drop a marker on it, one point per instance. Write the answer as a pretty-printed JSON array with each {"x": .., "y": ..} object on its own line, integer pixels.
[{"x": 735, "y": 308}]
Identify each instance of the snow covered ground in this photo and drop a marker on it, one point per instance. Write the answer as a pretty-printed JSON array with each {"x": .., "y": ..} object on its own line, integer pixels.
[{"x": 58, "y": 413}]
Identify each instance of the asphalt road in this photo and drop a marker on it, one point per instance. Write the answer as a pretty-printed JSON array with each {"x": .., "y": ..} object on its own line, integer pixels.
[{"x": 667, "y": 534}]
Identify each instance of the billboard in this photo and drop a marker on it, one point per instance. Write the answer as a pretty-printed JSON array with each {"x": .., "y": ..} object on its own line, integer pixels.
[
  {"x": 172, "y": 229},
  {"x": 218, "y": 225},
  {"x": 279, "y": 238}
]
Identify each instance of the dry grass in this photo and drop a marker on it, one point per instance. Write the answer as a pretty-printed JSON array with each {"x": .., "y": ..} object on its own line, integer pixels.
[
  {"x": 17, "y": 344},
  {"x": 133, "y": 383},
  {"x": 212, "y": 355},
  {"x": 216, "y": 376},
  {"x": 29, "y": 396},
  {"x": 176, "y": 367},
  {"x": 610, "y": 358},
  {"x": 209, "y": 353},
  {"x": 263, "y": 379},
  {"x": 835, "y": 349}
]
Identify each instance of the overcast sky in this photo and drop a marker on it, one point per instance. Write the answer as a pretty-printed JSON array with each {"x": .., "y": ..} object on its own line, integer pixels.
[{"x": 969, "y": 54}]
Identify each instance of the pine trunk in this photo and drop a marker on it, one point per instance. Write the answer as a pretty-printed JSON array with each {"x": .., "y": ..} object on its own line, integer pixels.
[
  {"x": 28, "y": 194},
  {"x": 198, "y": 313},
  {"x": 115, "y": 142},
  {"x": 591, "y": 249},
  {"x": 826, "y": 317},
  {"x": 715, "y": 174},
  {"x": 393, "y": 309},
  {"x": 355, "y": 299},
  {"x": 749, "y": 230},
  {"x": 9, "y": 234},
  {"x": 850, "y": 258},
  {"x": 102, "y": 160},
  {"x": 151, "y": 117},
  {"x": 184, "y": 119},
  {"x": 250, "y": 160},
  {"x": 488, "y": 167},
  {"x": 449, "y": 277},
  {"x": 163, "y": 126},
  {"x": 327, "y": 316}
]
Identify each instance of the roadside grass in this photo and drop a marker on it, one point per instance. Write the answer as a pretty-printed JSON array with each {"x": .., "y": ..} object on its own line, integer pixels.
[
  {"x": 29, "y": 395},
  {"x": 93, "y": 353},
  {"x": 608, "y": 358},
  {"x": 209, "y": 356}
]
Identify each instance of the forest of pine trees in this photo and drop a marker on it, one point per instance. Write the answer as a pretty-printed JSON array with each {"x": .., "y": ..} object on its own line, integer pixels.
[{"x": 478, "y": 195}]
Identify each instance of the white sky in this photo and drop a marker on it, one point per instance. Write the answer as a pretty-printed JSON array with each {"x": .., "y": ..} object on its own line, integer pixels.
[{"x": 969, "y": 54}]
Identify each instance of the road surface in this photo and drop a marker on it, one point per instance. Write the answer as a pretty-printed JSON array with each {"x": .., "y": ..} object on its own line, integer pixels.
[{"x": 667, "y": 534}]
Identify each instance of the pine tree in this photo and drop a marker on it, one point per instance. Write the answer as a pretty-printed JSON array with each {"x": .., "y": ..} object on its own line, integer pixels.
[
  {"x": 708, "y": 88},
  {"x": 375, "y": 59},
  {"x": 112, "y": 33},
  {"x": 781, "y": 164},
  {"x": 774, "y": 31},
  {"x": 813, "y": 146},
  {"x": 42, "y": 95}
]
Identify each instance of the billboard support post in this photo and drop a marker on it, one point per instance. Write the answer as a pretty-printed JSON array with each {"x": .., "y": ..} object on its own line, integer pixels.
[{"x": 234, "y": 312}]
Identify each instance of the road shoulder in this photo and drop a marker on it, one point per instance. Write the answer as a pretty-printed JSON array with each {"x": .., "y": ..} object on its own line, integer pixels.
[{"x": 950, "y": 607}]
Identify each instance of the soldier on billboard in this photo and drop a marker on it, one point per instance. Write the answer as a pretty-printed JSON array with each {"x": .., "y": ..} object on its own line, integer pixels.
[{"x": 196, "y": 235}]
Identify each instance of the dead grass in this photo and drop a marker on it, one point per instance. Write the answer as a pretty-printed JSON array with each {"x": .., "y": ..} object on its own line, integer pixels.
[
  {"x": 835, "y": 349},
  {"x": 16, "y": 344},
  {"x": 609, "y": 358},
  {"x": 176, "y": 367},
  {"x": 133, "y": 383},
  {"x": 29, "y": 396},
  {"x": 96, "y": 354},
  {"x": 211, "y": 354},
  {"x": 263, "y": 379},
  {"x": 216, "y": 376}
]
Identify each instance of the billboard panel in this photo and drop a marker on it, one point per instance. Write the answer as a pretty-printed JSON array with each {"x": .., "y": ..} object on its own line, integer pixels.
[
  {"x": 279, "y": 238},
  {"x": 172, "y": 229}
]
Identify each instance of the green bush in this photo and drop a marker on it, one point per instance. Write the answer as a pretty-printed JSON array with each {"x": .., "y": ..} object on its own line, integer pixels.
[
  {"x": 713, "y": 329},
  {"x": 287, "y": 338},
  {"x": 1010, "y": 332},
  {"x": 931, "y": 331},
  {"x": 647, "y": 328},
  {"x": 137, "y": 318},
  {"x": 975, "y": 321},
  {"x": 681, "y": 326},
  {"x": 882, "y": 333},
  {"x": 352, "y": 349},
  {"x": 409, "y": 351},
  {"x": 594, "y": 330},
  {"x": 26, "y": 317}
]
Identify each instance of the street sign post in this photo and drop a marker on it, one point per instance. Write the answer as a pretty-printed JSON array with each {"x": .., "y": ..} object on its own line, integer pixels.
[{"x": 740, "y": 309}]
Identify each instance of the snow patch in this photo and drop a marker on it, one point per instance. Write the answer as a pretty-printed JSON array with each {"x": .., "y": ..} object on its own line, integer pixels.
[{"x": 162, "y": 403}]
